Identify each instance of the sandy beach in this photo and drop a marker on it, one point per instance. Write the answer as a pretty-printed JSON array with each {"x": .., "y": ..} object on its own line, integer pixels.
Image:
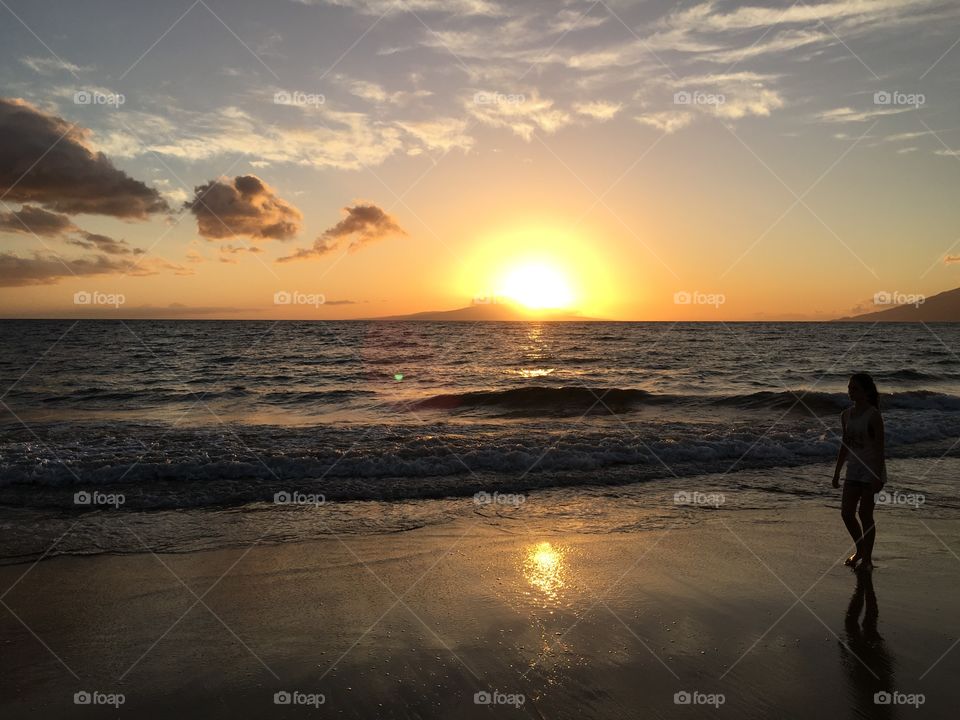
[{"x": 748, "y": 613}]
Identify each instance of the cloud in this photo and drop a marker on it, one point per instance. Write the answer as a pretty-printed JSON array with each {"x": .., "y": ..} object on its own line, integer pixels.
[
  {"x": 521, "y": 113},
  {"x": 228, "y": 252},
  {"x": 668, "y": 121},
  {"x": 244, "y": 206},
  {"x": 48, "y": 269},
  {"x": 951, "y": 260},
  {"x": 441, "y": 134},
  {"x": 47, "y": 161},
  {"x": 849, "y": 115},
  {"x": 93, "y": 241},
  {"x": 363, "y": 223},
  {"x": 388, "y": 7},
  {"x": 37, "y": 221},
  {"x": 318, "y": 137},
  {"x": 375, "y": 93},
  {"x": 51, "y": 65},
  {"x": 597, "y": 109}
]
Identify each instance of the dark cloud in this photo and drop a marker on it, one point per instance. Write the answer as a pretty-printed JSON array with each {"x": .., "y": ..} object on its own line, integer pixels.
[
  {"x": 363, "y": 224},
  {"x": 36, "y": 221},
  {"x": 46, "y": 270},
  {"x": 229, "y": 253},
  {"x": 93, "y": 241},
  {"x": 245, "y": 206},
  {"x": 45, "y": 160}
]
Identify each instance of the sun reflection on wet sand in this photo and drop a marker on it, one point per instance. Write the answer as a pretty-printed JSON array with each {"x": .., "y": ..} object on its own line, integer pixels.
[{"x": 545, "y": 569}]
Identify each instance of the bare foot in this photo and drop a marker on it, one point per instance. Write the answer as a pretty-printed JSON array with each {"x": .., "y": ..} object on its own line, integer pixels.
[{"x": 852, "y": 560}]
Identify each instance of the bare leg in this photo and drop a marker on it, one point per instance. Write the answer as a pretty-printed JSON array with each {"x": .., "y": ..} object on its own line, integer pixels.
[
  {"x": 869, "y": 527},
  {"x": 848, "y": 511}
]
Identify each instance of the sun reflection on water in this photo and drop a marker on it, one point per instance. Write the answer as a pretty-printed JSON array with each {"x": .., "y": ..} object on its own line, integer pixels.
[{"x": 544, "y": 567}]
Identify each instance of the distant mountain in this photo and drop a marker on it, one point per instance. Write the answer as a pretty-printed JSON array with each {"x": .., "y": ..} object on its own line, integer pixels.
[
  {"x": 944, "y": 307},
  {"x": 487, "y": 313}
]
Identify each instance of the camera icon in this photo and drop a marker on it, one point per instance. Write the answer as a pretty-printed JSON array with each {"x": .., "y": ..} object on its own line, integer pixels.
[
  {"x": 82, "y": 498},
  {"x": 482, "y": 498},
  {"x": 883, "y": 298},
  {"x": 682, "y": 298},
  {"x": 282, "y": 97},
  {"x": 82, "y": 97},
  {"x": 882, "y": 698},
  {"x": 682, "y": 698},
  {"x": 282, "y": 297},
  {"x": 882, "y": 97},
  {"x": 82, "y": 297},
  {"x": 683, "y": 97},
  {"x": 282, "y": 698},
  {"x": 681, "y": 497},
  {"x": 82, "y": 698},
  {"x": 482, "y": 698},
  {"x": 282, "y": 498}
]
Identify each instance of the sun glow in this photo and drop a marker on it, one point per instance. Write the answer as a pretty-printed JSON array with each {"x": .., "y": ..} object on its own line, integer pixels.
[
  {"x": 541, "y": 268},
  {"x": 537, "y": 286}
]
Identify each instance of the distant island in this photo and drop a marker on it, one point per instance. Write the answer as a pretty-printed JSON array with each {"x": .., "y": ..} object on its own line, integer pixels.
[
  {"x": 944, "y": 307},
  {"x": 492, "y": 312}
]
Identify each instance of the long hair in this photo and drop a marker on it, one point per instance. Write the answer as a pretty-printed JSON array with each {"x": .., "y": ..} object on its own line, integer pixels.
[{"x": 866, "y": 383}]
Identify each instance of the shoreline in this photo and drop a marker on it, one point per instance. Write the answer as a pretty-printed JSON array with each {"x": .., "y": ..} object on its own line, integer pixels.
[{"x": 414, "y": 624}]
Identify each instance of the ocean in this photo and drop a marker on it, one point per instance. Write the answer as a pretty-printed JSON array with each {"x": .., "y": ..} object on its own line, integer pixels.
[{"x": 198, "y": 434}]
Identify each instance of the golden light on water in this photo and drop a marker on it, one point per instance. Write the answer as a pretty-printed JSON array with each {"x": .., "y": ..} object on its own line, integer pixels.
[{"x": 544, "y": 567}]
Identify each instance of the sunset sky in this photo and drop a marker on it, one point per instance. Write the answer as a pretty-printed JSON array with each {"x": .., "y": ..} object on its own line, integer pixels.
[{"x": 789, "y": 160}]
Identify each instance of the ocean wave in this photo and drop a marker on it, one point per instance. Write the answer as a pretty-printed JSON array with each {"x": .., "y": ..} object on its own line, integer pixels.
[
  {"x": 578, "y": 400},
  {"x": 198, "y": 466}
]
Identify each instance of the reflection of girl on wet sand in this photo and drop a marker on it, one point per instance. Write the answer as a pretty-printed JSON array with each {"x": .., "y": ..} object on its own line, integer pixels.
[
  {"x": 868, "y": 663},
  {"x": 862, "y": 449}
]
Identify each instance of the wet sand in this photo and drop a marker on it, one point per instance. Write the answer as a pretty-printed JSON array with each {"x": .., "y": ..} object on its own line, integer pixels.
[{"x": 414, "y": 624}]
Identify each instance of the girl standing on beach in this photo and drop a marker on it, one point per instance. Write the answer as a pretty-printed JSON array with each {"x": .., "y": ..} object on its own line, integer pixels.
[{"x": 862, "y": 448}]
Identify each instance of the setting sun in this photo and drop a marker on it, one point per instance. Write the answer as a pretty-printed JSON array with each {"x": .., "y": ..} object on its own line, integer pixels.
[{"x": 538, "y": 286}]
